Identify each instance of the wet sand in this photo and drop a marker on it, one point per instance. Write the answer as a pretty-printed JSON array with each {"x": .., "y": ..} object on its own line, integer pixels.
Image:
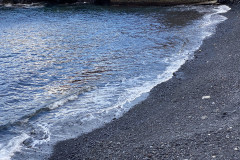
[{"x": 194, "y": 115}]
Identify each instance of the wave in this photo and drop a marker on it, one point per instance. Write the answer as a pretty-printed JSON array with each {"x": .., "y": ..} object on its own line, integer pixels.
[{"x": 45, "y": 108}]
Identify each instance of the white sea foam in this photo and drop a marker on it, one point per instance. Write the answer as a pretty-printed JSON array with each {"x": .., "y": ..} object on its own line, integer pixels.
[
  {"x": 14, "y": 145},
  {"x": 45, "y": 136},
  {"x": 62, "y": 101},
  {"x": 8, "y": 5},
  {"x": 210, "y": 21},
  {"x": 30, "y": 6}
]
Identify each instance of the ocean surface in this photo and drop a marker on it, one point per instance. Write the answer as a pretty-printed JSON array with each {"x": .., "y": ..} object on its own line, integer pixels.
[{"x": 66, "y": 70}]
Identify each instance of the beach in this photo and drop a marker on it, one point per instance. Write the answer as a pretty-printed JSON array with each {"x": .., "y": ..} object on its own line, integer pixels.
[
  {"x": 105, "y": 60},
  {"x": 194, "y": 115}
]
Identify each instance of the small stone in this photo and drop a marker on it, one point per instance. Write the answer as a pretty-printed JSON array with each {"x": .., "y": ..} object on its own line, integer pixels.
[
  {"x": 216, "y": 110},
  {"x": 206, "y": 97},
  {"x": 224, "y": 114},
  {"x": 204, "y": 117},
  {"x": 213, "y": 156},
  {"x": 149, "y": 155},
  {"x": 236, "y": 148}
]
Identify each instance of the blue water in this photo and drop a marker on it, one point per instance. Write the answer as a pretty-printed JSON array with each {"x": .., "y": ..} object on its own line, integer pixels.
[{"x": 66, "y": 70}]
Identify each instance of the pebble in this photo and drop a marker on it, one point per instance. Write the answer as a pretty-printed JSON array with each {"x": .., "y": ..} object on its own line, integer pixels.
[
  {"x": 204, "y": 117},
  {"x": 236, "y": 148},
  {"x": 206, "y": 97}
]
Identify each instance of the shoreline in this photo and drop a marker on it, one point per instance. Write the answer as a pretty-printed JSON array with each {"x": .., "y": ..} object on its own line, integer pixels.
[{"x": 176, "y": 120}]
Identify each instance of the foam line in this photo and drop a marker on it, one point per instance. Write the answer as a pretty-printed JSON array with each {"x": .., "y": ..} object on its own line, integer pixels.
[{"x": 14, "y": 145}]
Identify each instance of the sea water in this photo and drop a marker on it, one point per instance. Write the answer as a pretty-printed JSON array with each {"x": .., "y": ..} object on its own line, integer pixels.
[{"x": 66, "y": 70}]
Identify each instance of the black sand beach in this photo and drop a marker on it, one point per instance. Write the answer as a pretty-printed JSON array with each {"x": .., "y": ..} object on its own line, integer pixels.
[{"x": 194, "y": 115}]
